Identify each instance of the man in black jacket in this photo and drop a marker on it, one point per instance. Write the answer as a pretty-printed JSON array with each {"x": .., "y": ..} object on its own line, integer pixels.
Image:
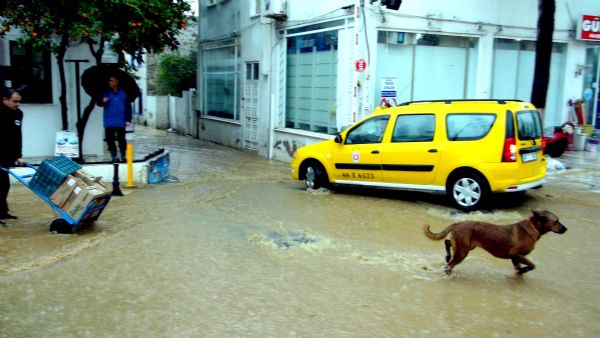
[{"x": 10, "y": 140}]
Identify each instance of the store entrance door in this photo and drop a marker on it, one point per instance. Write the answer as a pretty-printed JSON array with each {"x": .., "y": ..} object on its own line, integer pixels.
[
  {"x": 590, "y": 86},
  {"x": 250, "y": 106}
]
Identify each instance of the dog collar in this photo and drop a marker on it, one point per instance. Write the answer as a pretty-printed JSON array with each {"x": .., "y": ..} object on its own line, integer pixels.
[{"x": 532, "y": 231}]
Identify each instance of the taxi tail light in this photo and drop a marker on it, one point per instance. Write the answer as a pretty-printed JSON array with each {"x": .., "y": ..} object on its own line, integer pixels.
[
  {"x": 509, "y": 153},
  {"x": 543, "y": 145}
]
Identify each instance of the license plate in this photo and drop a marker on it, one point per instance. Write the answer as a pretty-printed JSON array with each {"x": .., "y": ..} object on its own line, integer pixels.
[{"x": 528, "y": 157}]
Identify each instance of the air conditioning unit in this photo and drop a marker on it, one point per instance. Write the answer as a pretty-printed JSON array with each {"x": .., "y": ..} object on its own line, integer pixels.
[{"x": 275, "y": 9}]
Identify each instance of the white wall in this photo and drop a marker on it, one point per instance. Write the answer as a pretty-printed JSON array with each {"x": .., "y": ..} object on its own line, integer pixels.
[
  {"x": 156, "y": 112},
  {"x": 42, "y": 121}
]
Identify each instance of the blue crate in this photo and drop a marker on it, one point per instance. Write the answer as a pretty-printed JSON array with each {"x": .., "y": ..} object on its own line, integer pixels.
[
  {"x": 51, "y": 173},
  {"x": 64, "y": 165}
]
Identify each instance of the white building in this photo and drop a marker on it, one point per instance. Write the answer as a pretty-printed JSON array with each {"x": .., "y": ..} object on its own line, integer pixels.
[
  {"x": 275, "y": 75},
  {"x": 41, "y": 105}
]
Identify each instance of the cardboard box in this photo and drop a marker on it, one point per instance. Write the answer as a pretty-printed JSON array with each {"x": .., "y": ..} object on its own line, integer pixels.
[
  {"x": 107, "y": 189},
  {"x": 77, "y": 201},
  {"x": 82, "y": 196},
  {"x": 60, "y": 196},
  {"x": 87, "y": 178}
]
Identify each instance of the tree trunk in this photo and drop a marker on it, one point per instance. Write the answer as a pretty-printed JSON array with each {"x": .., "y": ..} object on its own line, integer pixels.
[
  {"x": 543, "y": 52},
  {"x": 60, "y": 58}
]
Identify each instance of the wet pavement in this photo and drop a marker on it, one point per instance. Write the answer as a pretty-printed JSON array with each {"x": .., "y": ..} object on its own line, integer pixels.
[{"x": 231, "y": 246}]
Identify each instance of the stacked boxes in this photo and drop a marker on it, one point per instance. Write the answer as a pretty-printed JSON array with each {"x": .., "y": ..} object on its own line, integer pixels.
[
  {"x": 70, "y": 188},
  {"x": 82, "y": 191}
]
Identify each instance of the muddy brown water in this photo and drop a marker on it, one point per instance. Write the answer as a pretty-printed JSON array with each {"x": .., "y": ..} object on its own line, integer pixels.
[{"x": 236, "y": 248}]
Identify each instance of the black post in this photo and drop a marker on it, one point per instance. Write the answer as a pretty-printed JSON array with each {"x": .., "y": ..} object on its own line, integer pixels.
[
  {"x": 77, "y": 62},
  {"x": 116, "y": 189}
]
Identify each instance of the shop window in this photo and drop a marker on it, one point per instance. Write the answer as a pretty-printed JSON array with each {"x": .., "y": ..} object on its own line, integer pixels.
[
  {"x": 255, "y": 7},
  {"x": 31, "y": 72},
  {"x": 252, "y": 70},
  {"x": 221, "y": 81},
  {"x": 590, "y": 88},
  {"x": 416, "y": 66},
  {"x": 312, "y": 82},
  {"x": 513, "y": 70}
]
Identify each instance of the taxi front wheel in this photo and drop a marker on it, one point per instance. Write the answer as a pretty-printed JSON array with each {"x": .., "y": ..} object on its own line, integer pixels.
[{"x": 315, "y": 176}]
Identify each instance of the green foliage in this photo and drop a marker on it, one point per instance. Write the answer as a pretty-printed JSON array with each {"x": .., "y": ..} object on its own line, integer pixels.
[
  {"x": 176, "y": 73},
  {"x": 131, "y": 25}
]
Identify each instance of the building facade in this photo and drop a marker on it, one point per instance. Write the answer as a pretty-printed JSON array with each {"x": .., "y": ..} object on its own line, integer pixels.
[
  {"x": 41, "y": 107},
  {"x": 275, "y": 75}
]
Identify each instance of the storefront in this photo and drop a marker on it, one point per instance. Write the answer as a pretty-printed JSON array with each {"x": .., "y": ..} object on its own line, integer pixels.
[
  {"x": 588, "y": 30},
  {"x": 324, "y": 67}
]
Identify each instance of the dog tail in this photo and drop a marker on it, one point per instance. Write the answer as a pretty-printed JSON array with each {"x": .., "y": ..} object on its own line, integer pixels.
[{"x": 437, "y": 236}]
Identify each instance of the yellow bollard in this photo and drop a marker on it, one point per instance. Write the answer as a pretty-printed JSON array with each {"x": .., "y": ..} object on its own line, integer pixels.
[{"x": 129, "y": 165}]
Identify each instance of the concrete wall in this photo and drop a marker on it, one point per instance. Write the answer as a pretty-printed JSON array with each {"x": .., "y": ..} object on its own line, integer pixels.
[
  {"x": 156, "y": 112},
  {"x": 185, "y": 116},
  {"x": 171, "y": 112}
]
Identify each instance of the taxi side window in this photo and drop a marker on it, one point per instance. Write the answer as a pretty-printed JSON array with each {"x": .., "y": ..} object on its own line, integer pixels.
[
  {"x": 468, "y": 127},
  {"x": 369, "y": 131},
  {"x": 414, "y": 128}
]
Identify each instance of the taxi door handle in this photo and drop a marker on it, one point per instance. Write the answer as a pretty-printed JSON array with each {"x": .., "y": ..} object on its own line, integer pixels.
[
  {"x": 432, "y": 150},
  {"x": 375, "y": 152}
]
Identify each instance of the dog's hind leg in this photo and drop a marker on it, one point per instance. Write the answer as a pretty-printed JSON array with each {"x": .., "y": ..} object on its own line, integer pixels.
[
  {"x": 517, "y": 260},
  {"x": 448, "y": 253},
  {"x": 455, "y": 260}
]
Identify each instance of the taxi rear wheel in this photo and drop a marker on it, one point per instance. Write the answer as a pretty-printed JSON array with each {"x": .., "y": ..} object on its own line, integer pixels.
[
  {"x": 315, "y": 176},
  {"x": 468, "y": 190}
]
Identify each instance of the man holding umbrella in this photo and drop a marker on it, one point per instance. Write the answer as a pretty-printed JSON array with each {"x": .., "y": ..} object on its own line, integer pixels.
[{"x": 117, "y": 114}]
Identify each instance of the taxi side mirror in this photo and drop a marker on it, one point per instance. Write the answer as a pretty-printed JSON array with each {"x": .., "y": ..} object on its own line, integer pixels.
[{"x": 338, "y": 138}]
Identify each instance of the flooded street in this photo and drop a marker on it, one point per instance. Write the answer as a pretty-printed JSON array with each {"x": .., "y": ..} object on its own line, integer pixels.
[{"x": 234, "y": 247}]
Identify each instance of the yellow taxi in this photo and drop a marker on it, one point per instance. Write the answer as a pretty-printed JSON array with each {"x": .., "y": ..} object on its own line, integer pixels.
[{"x": 466, "y": 149}]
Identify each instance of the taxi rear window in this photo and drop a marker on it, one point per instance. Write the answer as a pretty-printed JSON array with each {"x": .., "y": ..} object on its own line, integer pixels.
[
  {"x": 467, "y": 126},
  {"x": 529, "y": 126}
]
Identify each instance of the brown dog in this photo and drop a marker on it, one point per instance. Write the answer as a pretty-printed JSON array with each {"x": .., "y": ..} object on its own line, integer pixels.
[{"x": 512, "y": 241}]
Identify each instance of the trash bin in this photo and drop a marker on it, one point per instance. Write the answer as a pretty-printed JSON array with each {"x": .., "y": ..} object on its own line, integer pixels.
[
  {"x": 579, "y": 141},
  {"x": 592, "y": 144}
]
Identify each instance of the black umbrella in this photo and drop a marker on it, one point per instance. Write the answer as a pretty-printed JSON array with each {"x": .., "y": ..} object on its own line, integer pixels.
[{"x": 94, "y": 81}]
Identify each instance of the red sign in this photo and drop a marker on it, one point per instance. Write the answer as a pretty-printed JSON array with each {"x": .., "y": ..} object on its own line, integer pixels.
[
  {"x": 588, "y": 28},
  {"x": 360, "y": 65}
]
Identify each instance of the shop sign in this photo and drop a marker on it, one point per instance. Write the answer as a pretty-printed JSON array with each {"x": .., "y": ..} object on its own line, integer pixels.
[
  {"x": 388, "y": 87},
  {"x": 67, "y": 143},
  {"x": 588, "y": 28},
  {"x": 360, "y": 65}
]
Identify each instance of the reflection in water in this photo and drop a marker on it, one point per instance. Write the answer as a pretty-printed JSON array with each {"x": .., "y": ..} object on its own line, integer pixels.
[{"x": 236, "y": 248}]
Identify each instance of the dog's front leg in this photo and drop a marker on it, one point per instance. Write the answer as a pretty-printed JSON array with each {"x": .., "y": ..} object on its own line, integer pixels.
[{"x": 516, "y": 260}]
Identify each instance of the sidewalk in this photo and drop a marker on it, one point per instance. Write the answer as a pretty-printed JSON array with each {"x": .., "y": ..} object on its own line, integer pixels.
[
  {"x": 580, "y": 159},
  {"x": 149, "y": 142}
]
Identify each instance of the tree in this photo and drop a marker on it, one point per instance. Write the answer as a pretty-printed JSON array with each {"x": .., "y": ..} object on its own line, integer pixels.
[
  {"x": 176, "y": 73},
  {"x": 131, "y": 26},
  {"x": 543, "y": 52}
]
